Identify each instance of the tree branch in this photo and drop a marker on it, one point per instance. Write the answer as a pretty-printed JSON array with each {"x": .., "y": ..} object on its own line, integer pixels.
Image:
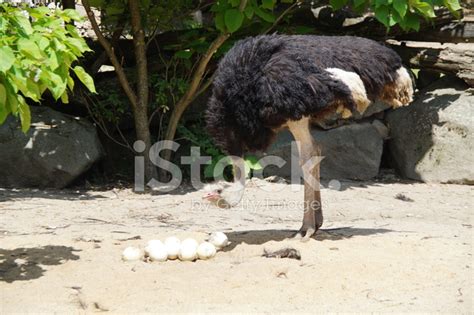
[
  {"x": 103, "y": 56},
  {"x": 110, "y": 52},
  {"x": 140, "y": 54},
  {"x": 183, "y": 103},
  {"x": 282, "y": 15}
]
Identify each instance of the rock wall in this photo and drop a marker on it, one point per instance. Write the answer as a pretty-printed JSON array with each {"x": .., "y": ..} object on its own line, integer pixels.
[
  {"x": 432, "y": 140},
  {"x": 352, "y": 151}
]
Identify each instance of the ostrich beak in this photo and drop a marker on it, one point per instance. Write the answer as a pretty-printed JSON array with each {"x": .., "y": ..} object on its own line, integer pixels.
[{"x": 213, "y": 195}]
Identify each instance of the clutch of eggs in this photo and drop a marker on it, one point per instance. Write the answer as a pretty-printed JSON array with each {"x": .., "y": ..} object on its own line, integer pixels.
[{"x": 172, "y": 248}]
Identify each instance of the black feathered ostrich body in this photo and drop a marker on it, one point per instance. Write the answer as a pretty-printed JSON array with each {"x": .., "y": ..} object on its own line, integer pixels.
[{"x": 268, "y": 82}]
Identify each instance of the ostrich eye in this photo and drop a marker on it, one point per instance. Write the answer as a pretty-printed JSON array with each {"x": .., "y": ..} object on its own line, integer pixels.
[{"x": 219, "y": 191}]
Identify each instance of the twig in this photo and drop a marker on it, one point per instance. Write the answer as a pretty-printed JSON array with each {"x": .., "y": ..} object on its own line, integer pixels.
[
  {"x": 103, "y": 221},
  {"x": 137, "y": 237},
  {"x": 282, "y": 15},
  {"x": 102, "y": 125},
  {"x": 205, "y": 86}
]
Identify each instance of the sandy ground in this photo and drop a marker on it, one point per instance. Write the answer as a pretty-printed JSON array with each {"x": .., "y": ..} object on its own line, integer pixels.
[{"x": 60, "y": 251}]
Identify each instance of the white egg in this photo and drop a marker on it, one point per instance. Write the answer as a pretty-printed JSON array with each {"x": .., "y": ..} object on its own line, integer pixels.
[
  {"x": 188, "y": 250},
  {"x": 132, "y": 253},
  {"x": 156, "y": 250},
  {"x": 172, "y": 245},
  {"x": 218, "y": 239},
  {"x": 206, "y": 250}
]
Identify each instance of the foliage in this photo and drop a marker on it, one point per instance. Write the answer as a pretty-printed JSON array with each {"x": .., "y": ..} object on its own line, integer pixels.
[
  {"x": 228, "y": 18},
  {"x": 406, "y": 13},
  {"x": 38, "y": 47},
  {"x": 167, "y": 91},
  {"x": 156, "y": 15},
  {"x": 111, "y": 104},
  {"x": 196, "y": 134}
]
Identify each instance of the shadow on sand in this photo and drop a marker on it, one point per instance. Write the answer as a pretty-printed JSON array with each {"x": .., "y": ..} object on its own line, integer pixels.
[
  {"x": 22, "y": 264},
  {"x": 258, "y": 237},
  {"x": 8, "y": 194}
]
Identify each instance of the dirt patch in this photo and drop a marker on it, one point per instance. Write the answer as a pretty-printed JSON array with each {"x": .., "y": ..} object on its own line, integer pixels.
[{"x": 61, "y": 251}]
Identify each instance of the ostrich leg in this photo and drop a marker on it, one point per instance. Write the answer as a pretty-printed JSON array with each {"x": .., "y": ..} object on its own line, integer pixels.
[{"x": 310, "y": 154}]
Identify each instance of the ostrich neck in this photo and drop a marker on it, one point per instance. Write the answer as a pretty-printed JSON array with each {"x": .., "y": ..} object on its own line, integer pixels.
[
  {"x": 238, "y": 185},
  {"x": 239, "y": 170}
]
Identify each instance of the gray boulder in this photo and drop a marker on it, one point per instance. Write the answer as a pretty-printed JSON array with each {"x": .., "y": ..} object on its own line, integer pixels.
[
  {"x": 334, "y": 119},
  {"x": 432, "y": 140},
  {"x": 56, "y": 150},
  {"x": 350, "y": 152}
]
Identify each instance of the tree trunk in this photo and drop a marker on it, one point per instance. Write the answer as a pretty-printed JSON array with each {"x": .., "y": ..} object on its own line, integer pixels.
[
  {"x": 69, "y": 4},
  {"x": 139, "y": 101},
  {"x": 141, "y": 110},
  {"x": 457, "y": 59}
]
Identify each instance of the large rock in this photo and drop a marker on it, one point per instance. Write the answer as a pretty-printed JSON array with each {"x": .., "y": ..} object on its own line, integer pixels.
[
  {"x": 55, "y": 151},
  {"x": 334, "y": 119},
  {"x": 350, "y": 152},
  {"x": 432, "y": 139}
]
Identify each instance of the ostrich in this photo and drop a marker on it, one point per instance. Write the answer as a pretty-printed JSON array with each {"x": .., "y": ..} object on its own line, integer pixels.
[{"x": 270, "y": 82}]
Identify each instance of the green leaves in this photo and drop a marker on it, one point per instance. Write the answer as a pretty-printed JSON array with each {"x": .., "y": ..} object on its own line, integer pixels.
[
  {"x": 36, "y": 54},
  {"x": 3, "y": 95},
  {"x": 184, "y": 54},
  {"x": 219, "y": 21},
  {"x": 252, "y": 162},
  {"x": 337, "y": 4},
  {"x": 411, "y": 22},
  {"x": 406, "y": 13},
  {"x": 56, "y": 84},
  {"x": 382, "y": 14},
  {"x": 4, "y": 108},
  {"x": 423, "y": 7},
  {"x": 85, "y": 78},
  {"x": 7, "y": 58},
  {"x": 248, "y": 11},
  {"x": 25, "y": 114},
  {"x": 29, "y": 48},
  {"x": 264, "y": 15},
  {"x": 71, "y": 14},
  {"x": 229, "y": 17},
  {"x": 233, "y": 19},
  {"x": 21, "y": 22},
  {"x": 453, "y": 6},
  {"x": 268, "y": 4},
  {"x": 401, "y": 6}
]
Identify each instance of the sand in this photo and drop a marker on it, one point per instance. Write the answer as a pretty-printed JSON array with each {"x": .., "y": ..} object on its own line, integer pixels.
[{"x": 60, "y": 251}]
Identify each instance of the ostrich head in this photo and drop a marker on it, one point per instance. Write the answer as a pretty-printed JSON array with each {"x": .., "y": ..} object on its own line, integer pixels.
[{"x": 224, "y": 194}]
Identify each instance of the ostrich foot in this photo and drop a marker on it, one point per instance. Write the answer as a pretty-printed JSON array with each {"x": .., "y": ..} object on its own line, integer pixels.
[
  {"x": 312, "y": 221},
  {"x": 304, "y": 234}
]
